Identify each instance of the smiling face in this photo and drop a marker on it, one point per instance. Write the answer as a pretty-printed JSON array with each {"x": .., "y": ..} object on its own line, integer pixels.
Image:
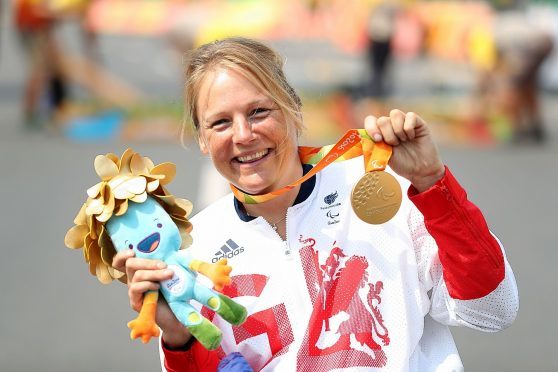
[
  {"x": 248, "y": 137},
  {"x": 146, "y": 228}
]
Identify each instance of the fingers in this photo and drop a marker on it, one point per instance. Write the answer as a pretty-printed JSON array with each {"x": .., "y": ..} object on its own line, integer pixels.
[
  {"x": 141, "y": 264},
  {"x": 151, "y": 275},
  {"x": 136, "y": 292},
  {"x": 143, "y": 275},
  {"x": 371, "y": 126},
  {"x": 410, "y": 124},
  {"x": 393, "y": 129},
  {"x": 119, "y": 260}
]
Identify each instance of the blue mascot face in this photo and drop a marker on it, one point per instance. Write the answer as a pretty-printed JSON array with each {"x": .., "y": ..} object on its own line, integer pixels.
[{"x": 147, "y": 229}]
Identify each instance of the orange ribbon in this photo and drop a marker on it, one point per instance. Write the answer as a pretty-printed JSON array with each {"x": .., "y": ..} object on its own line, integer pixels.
[{"x": 354, "y": 143}]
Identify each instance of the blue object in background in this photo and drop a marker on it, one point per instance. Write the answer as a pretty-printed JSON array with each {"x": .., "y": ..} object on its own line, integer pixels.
[
  {"x": 99, "y": 127},
  {"x": 234, "y": 362}
]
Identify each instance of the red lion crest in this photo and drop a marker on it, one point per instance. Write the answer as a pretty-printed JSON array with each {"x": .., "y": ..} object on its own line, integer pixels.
[{"x": 337, "y": 291}]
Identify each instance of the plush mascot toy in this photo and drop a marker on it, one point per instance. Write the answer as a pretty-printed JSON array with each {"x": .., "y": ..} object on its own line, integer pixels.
[{"x": 131, "y": 209}]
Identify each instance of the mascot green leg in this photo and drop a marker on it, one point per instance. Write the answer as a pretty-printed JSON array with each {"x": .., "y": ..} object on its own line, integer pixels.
[
  {"x": 205, "y": 332},
  {"x": 228, "y": 309},
  {"x": 202, "y": 329}
]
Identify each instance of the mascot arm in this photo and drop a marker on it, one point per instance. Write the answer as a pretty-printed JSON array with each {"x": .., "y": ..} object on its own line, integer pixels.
[
  {"x": 144, "y": 325},
  {"x": 217, "y": 272}
]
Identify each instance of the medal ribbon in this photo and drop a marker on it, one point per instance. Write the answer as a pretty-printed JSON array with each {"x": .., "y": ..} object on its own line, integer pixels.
[{"x": 354, "y": 143}]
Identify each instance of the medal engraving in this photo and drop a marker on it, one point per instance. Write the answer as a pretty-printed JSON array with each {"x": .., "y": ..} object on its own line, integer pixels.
[{"x": 376, "y": 197}]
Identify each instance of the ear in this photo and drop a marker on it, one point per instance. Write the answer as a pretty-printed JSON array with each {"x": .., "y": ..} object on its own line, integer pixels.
[{"x": 203, "y": 145}]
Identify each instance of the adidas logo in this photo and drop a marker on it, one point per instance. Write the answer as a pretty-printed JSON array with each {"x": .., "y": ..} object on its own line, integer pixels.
[{"x": 227, "y": 250}]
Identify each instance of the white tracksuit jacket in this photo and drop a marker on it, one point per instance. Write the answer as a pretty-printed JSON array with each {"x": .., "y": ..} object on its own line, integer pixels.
[{"x": 340, "y": 294}]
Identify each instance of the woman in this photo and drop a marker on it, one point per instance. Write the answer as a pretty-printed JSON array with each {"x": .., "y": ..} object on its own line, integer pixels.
[
  {"x": 35, "y": 24},
  {"x": 323, "y": 289}
]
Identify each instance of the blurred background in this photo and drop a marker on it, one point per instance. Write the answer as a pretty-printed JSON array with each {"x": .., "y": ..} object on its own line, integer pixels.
[{"x": 84, "y": 77}]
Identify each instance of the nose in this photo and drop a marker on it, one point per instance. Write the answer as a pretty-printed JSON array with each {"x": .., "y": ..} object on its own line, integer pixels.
[{"x": 242, "y": 131}]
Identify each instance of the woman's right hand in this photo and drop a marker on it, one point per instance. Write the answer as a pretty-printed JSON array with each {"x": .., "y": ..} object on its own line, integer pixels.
[{"x": 144, "y": 275}]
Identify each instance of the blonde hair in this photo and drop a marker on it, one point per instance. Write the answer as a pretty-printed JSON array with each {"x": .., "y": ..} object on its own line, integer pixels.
[{"x": 260, "y": 64}]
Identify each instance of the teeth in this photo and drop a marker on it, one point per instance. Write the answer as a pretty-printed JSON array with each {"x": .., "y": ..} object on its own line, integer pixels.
[{"x": 257, "y": 155}]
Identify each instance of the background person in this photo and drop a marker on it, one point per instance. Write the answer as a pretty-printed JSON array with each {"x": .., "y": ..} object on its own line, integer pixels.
[
  {"x": 380, "y": 33},
  {"x": 521, "y": 49},
  {"x": 35, "y": 24}
]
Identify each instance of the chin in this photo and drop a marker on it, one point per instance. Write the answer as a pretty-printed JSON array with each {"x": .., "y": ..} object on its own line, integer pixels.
[{"x": 253, "y": 189}]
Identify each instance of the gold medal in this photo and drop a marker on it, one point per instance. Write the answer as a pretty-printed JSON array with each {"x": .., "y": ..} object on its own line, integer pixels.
[{"x": 376, "y": 197}]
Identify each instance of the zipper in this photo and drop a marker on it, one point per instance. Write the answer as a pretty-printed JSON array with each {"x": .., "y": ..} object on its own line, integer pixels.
[
  {"x": 471, "y": 226},
  {"x": 287, "y": 246},
  {"x": 287, "y": 249}
]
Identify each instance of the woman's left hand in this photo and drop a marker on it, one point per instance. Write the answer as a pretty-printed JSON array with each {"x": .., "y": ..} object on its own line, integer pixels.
[{"x": 415, "y": 155}]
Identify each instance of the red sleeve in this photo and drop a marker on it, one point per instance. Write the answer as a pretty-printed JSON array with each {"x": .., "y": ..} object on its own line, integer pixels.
[
  {"x": 472, "y": 260},
  {"x": 192, "y": 359}
]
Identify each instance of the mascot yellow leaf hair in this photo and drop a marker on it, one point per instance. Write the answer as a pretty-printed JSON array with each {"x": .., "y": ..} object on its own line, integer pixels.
[{"x": 130, "y": 208}]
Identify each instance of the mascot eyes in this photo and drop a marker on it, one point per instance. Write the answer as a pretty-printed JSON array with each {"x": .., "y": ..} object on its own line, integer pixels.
[
  {"x": 131, "y": 246},
  {"x": 159, "y": 225}
]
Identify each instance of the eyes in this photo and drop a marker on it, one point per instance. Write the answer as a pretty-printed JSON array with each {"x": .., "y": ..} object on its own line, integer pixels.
[
  {"x": 219, "y": 124},
  {"x": 254, "y": 116},
  {"x": 259, "y": 113}
]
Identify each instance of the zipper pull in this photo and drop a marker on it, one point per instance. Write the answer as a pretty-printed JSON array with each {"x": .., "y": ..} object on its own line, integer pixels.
[{"x": 287, "y": 249}]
